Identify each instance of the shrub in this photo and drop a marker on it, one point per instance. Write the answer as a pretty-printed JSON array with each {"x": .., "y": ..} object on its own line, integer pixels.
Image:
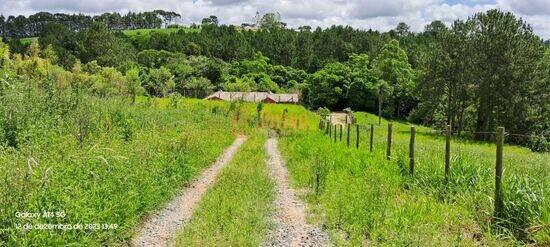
[{"x": 323, "y": 112}]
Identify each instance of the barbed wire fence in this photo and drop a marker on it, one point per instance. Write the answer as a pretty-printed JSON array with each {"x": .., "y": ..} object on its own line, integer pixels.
[{"x": 498, "y": 137}]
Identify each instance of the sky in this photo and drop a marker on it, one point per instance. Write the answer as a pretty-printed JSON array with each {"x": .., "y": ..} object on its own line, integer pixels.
[{"x": 382, "y": 15}]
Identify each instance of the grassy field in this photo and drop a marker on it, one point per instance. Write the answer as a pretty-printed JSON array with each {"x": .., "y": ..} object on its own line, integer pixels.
[
  {"x": 134, "y": 33},
  {"x": 364, "y": 199},
  {"x": 107, "y": 162},
  {"x": 137, "y": 32},
  {"x": 132, "y": 160},
  {"x": 236, "y": 210}
]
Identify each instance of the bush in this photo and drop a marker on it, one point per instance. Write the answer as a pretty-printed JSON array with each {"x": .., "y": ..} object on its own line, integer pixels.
[
  {"x": 174, "y": 26},
  {"x": 539, "y": 143},
  {"x": 125, "y": 125},
  {"x": 323, "y": 112}
]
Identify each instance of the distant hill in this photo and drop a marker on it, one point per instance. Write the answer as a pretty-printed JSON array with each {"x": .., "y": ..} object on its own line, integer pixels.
[{"x": 136, "y": 32}]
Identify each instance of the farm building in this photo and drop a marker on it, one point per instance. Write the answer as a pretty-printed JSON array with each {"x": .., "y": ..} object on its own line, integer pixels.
[{"x": 255, "y": 97}]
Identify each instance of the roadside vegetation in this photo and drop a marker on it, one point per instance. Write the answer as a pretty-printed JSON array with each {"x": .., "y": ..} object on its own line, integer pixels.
[
  {"x": 96, "y": 128},
  {"x": 363, "y": 198},
  {"x": 90, "y": 157},
  {"x": 130, "y": 161}
]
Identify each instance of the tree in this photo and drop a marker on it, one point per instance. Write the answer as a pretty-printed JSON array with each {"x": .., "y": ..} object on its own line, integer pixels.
[
  {"x": 50, "y": 54},
  {"x": 199, "y": 83},
  {"x": 2, "y": 26},
  {"x": 329, "y": 87},
  {"x": 33, "y": 50},
  {"x": 392, "y": 66},
  {"x": 167, "y": 16},
  {"x": 63, "y": 42},
  {"x": 100, "y": 44},
  {"x": 160, "y": 82},
  {"x": 154, "y": 58},
  {"x": 539, "y": 120},
  {"x": 504, "y": 60},
  {"x": 271, "y": 21},
  {"x": 402, "y": 29},
  {"x": 4, "y": 55},
  {"x": 365, "y": 88},
  {"x": 211, "y": 20},
  {"x": 435, "y": 27},
  {"x": 133, "y": 83},
  {"x": 445, "y": 82}
]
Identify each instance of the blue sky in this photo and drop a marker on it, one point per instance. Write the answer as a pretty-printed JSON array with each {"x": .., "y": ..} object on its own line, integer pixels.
[{"x": 381, "y": 15}]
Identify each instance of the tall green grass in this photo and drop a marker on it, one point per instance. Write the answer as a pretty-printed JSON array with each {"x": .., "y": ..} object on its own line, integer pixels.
[
  {"x": 365, "y": 199},
  {"x": 102, "y": 162},
  {"x": 471, "y": 180},
  {"x": 235, "y": 212}
]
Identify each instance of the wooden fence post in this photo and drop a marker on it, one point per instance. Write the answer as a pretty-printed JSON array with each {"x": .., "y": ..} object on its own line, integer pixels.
[
  {"x": 371, "y": 135},
  {"x": 326, "y": 127},
  {"x": 388, "y": 148},
  {"x": 349, "y": 126},
  {"x": 498, "y": 172},
  {"x": 335, "y": 131},
  {"x": 340, "y": 132},
  {"x": 411, "y": 151},
  {"x": 357, "y": 139},
  {"x": 447, "y": 151}
]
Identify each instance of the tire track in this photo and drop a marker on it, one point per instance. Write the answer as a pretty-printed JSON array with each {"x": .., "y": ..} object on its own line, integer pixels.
[
  {"x": 160, "y": 229},
  {"x": 291, "y": 227}
]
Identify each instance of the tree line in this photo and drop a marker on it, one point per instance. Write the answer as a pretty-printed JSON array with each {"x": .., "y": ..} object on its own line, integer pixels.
[
  {"x": 32, "y": 26},
  {"x": 489, "y": 70}
]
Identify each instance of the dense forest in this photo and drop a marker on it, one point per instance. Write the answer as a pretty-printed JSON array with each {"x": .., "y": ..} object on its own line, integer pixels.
[
  {"x": 487, "y": 71},
  {"x": 21, "y": 26}
]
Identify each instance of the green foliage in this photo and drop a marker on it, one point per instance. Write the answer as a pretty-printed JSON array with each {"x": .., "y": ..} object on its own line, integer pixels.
[
  {"x": 323, "y": 112},
  {"x": 392, "y": 66},
  {"x": 523, "y": 205},
  {"x": 271, "y": 21},
  {"x": 361, "y": 197},
  {"x": 98, "y": 43},
  {"x": 483, "y": 73},
  {"x": 110, "y": 82},
  {"x": 125, "y": 125},
  {"x": 70, "y": 159},
  {"x": 199, "y": 83},
  {"x": 259, "y": 108},
  {"x": 159, "y": 82},
  {"x": 154, "y": 58},
  {"x": 133, "y": 83}
]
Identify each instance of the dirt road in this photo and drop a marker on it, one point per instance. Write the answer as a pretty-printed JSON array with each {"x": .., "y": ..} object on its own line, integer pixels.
[
  {"x": 290, "y": 219},
  {"x": 160, "y": 229}
]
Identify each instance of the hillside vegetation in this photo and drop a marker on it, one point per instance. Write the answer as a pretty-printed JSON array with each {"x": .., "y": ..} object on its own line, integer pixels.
[
  {"x": 364, "y": 198},
  {"x": 130, "y": 161},
  {"x": 477, "y": 74},
  {"x": 95, "y": 133}
]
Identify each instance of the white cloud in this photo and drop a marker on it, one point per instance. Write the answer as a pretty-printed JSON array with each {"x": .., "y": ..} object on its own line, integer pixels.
[
  {"x": 381, "y": 15},
  {"x": 380, "y": 8},
  {"x": 528, "y": 8},
  {"x": 449, "y": 13}
]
